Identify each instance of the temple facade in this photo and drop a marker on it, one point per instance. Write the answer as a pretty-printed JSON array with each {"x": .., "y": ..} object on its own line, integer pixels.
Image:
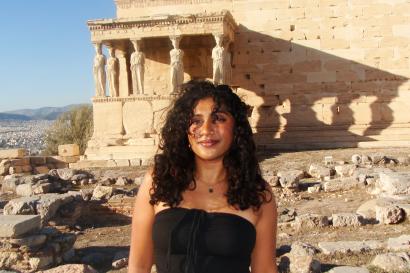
[{"x": 317, "y": 74}]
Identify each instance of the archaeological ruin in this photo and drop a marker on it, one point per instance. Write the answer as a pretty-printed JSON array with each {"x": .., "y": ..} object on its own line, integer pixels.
[{"x": 317, "y": 74}]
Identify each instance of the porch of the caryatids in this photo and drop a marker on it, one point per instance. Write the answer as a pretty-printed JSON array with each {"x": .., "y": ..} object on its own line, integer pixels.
[
  {"x": 221, "y": 60},
  {"x": 99, "y": 71},
  {"x": 113, "y": 73},
  {"x": 137, "y": 66}
]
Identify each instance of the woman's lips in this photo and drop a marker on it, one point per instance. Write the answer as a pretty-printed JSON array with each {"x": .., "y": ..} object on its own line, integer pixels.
[{"x": 208, "y": 143}]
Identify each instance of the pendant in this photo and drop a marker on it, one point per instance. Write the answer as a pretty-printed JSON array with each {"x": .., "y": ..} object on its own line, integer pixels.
[{"x": 210, "y": 190}]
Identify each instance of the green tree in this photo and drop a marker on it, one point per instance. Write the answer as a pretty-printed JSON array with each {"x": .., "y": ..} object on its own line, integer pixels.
[{"x": 74, "y": 126}]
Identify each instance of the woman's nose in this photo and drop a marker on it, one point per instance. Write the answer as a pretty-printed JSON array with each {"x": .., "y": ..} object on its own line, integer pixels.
[{"x": 207, "y": 127}]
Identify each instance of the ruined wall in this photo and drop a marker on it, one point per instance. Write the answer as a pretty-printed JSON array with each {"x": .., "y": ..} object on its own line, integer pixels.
[{"x": 319, "y": 73}]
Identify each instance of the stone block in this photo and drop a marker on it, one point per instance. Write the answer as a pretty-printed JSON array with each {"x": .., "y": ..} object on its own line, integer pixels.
[
  {"x": 309, "y": 221},
  {"x": 41, "y": 262},
  {"x": 37, "y": 160},
  {"x": 389, "y": 214},
  {"x": 342, "y": 185},
  {"x": 345, "y": 170},
  {"x": 347, "y": 219},
  {"x": 41, "y": 169},
  {"x": 22, "y": 205},
  {"x": 102, "y": 192},
  {"x": 68, "y": 150},
  {"x": 331, "y": 248},
  {"x": 401, "y": 243},
  {"x": 24, "y": 190},
  {"x": 30, "y": 241},
  {"x": 395, "y": 183},
  {"x": 71, "y": 268},
  {"x": 20, "y": 162},
  {"x": 66, "y": 159},
  {"x": 17, "y": 225},
  {"x": 348, "y": 269},
  {"x": 13, "y": 153},
  {"x": 392, "y": 262}
]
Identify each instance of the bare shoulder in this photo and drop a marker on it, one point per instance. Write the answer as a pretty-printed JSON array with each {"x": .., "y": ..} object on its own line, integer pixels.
[{"x": 268, "y": 207}]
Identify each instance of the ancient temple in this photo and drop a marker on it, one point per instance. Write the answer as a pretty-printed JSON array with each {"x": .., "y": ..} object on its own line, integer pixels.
[{"x": 318, "y": 74}]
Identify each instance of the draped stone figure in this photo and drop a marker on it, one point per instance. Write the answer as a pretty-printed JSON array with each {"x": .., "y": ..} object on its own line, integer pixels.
[
  {"x": 227, "y": 67},
  {"x": 219, "y": 60},
  {"x": 99, "y": 71},
  {"x": 112, "y": 71},
  {"x": 137, "y": 69},
  {"x": 177, "y": 65}
]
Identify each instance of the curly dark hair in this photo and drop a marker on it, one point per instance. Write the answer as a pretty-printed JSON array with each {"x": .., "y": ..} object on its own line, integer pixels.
[{"x": 174, "y": 168}]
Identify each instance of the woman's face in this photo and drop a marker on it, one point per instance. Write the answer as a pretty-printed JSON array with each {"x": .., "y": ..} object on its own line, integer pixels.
[{"x": 210, "y": 133}]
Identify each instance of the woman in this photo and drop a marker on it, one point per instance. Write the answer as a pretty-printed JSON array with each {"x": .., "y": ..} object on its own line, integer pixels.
[{"x": 205, "y": 207}]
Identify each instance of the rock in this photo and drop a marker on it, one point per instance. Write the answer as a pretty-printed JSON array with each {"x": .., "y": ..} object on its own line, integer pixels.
[
  {"x": 79, "y": 177},
  {"x": 348, "y": 269},
  {"x": 69, "y": 255},
  {"x": 314, "y": 189},
  {"x": 304, "y": 264},
  {"x": 328, "y": 160},
  {"x": 30, "y": 241},
  {"x": 347, "y": 219},
  {"x": 402, "y": 160},
  {"x": 272, "y": 180},
  {"x": 117, "y": 264},
  {"x": 66, "y": 173},
  {"x": 86, "y": 194},
  {"x": 303, "y": 249},
  {"x": 389, "y": 214},
  {"x": 290, "y": 179},
  {"x": 356, "y": 159},
  {"x": 320, "y": 172},
  {"x": 138, "y": 180},
  {"x": 102, "y": 192},
  {"x": 376, "y": 158},
  {"x": 346, "y": 170},
  {"x": 395, "y": 183},
  {"x": 401, "y": 243},
  {"x": 122, "y": 181},
  {"x": 10, "y": 183},
  {"x": 71, "y": 268},
  {"x": 331, "y": 248},
  {"x": 9, "y": 259},
  {"x": 366, "y": 160},
  {"x": 41, "y": 170},
  {"x": 49, "y": 203},
  {"x": 310, "y": 221},
  {"x": 392, "y": 261},
  {"x": 17, "y": 225},
  {"x": 24, "y": 190},
  {"x": 23, "y": 205},
  {"x": 42, "y": 188},
  {"x": 41, "y": 262},
  {"x": 96, "y": 258},
  {"x": 342, "y": 185},
  {"x": 287, "y": 215},
  {"x": 4, "y": 167}
]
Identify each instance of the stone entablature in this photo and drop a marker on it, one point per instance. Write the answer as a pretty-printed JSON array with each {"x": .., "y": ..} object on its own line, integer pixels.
[
  {"x": 162, "y": 26},
  {"x": 149, "y": 3}
]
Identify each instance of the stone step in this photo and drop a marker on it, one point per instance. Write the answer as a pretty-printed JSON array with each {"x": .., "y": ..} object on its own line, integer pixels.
[
  {"x": 334, "y": 144},
  {"x": 17, "y": 225}
]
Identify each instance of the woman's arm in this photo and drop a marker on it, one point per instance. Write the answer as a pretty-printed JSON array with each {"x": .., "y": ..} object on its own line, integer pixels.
[
  {"x": 264, "y": 253},
  {"x": 141, "y": 250}
]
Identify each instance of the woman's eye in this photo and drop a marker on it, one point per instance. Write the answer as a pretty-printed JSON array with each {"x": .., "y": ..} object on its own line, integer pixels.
[
  {"x": 195, "y": 121},
  {"x": 219, "y": 118}
]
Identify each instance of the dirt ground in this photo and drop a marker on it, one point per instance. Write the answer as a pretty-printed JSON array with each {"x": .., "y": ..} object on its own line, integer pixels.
[{"x": 110, "y": 237}]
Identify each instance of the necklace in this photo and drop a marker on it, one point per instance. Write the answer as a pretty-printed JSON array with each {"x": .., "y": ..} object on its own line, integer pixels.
[{"x": 210, "y": 187}]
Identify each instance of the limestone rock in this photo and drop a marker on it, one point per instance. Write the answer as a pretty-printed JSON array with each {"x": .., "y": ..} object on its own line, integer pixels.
[
  {"x": 122, "y": 181},
  {"x": 290, "y": 179},
  {"x": 347, "y": 219},
  {"x": 303, "y": 249},
  {"x": 30, "y": 241},
  {"x": 389, "y": 214},
  {"x": 286, "y": 215},
  {"x": 66, "y": 173},
  {"x": 117, "y": 264},
  {"x": 345, "y": 170},
  {"x": 376, "y": 158},
  {"x": 392, "y": 261},
  {"x": 319, "y": 171},
  {"x": 49, "y": 203},
  {"x": 9, "y": 259},
  {"x": 304, "y": 264},
  {"x": 23, "y": 205},
  {"x": 11, "y": 182},
  {"x": 348, "y": 269},
  {"x": 330, "y": 248},
  {"x": 356, "y": 159},
  {"x": 310, "y": 221},
  {"x": 24, "y": 190},
  {"x": 102, "y": 192},
  {"x": 4, "y": 167},
  {"x": 401, "y": 243},
  {"x": 342, "y": 185},
  {"x": 71, "y": 268},
  {"x": 12, "y": 153},
  {"x": 395, "y": 183},
  {"x": 17, "y": 225},
  {"x": 41, "y": 262},
  {"x": 79, "y": 177},
  {"x": 314, "y": 189}
]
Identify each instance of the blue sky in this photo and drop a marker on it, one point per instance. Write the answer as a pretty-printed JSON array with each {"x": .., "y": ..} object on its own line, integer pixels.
[{"x": 46, "y": 53}]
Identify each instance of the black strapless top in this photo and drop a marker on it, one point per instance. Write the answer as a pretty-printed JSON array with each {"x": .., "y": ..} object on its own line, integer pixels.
[{"x": 196, "y": 241}]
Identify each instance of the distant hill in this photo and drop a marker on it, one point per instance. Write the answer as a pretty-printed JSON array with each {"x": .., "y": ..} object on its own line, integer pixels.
[{"x": 47, "y": 113}]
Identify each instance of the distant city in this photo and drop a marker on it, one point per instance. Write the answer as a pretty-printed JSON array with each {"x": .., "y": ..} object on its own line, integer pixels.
[{"x": 26, "y": 128}]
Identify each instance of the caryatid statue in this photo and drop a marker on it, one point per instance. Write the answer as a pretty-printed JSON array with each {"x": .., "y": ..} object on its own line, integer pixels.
[
  {"x": 137, "y": 68},
  {"x": 219, "y": 59},
  {"x": 112, "y": 71},
  {"x": 177, "y": 65},
  {"x": 99, "y": 71}
]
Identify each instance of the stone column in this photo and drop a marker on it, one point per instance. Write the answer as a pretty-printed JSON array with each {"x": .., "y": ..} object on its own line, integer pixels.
[
  {"x": 123, "y": 73},
  {"x": 137, "y": 64},
  {"x": 113, "y": 73},
  {"x": 99, "y": 71},
  {"x": 176, "y": 65}
]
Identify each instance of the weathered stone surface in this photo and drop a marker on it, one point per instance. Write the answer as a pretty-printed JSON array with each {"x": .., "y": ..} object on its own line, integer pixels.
[
  {"x": 392, "y": 261},
  {"x": 102, "y": 192},
  {"x": 96, "y": 258},
  {"x": 43, "y": 188},
  {"x": 71, "y": 268},
  {"x": 4, "y": 167},
  {"x": 30, "y": 241},
  {"x": 41, "y": 170},
  {"x": 49, "y": 203},
  {"x": 347, "y": 219},
  {"x": 122, "y": 181},
  {"x": 401, "y": 243},
  {"x": 17, "y": 225},
  {"x": 9, "y": 259},
  {"x": 23, "y": 205},
  {"x": 12, "y": 153},
  {"x": 376, "y": 158},
  {"x": 24, "y": 190},
  {"x": 395, "y": 183},
  {"x": 345, "y": 170},
  {"x": 319, "y": 171},
  {"x": 10, "y": 183},
  {"x": 342, "y": 185},
  {"x": 41, "y": 262},
  {"x": 79, "y": 177},
  {"x": 348, "y": 269},
  {"x": 286, "y": 215},
  {"x": 330, "y": 248},
  {"x": 290, "y": 179},
  {"x": 356, "y": 159},
  {"x": 389, "y": 214},
  {"x": 303, "y": 249},
  {"x": 68, "y": 150},
  {"x": 66, "y": 173},
  {"x": 314, "y": 189},
  {"x": 303, "y": 264},
  {"x": 120, "y": 263},
  {"x": 310, "y": 221}
]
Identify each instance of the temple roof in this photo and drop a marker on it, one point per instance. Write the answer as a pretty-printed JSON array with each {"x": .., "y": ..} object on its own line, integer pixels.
[{"x": 162, "y": 25}]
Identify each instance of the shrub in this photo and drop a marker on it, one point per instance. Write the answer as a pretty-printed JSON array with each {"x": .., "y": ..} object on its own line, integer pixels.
[{"x": 74, "y": 126}]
